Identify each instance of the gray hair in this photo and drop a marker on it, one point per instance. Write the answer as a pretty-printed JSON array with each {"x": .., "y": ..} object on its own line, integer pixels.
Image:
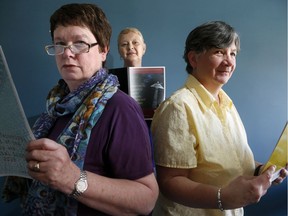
[
  {"x": 128, "y": 30},
  {"x": 213, "y": 34}
]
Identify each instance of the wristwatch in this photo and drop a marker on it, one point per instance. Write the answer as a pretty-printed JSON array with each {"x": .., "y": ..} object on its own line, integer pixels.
[{"x": 80, "y": 186}]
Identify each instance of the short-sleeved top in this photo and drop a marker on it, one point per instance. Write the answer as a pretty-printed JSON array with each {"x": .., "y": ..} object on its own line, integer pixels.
[
  {"x": 119, "y": 145},
  {"x": 191, "y": 130}
]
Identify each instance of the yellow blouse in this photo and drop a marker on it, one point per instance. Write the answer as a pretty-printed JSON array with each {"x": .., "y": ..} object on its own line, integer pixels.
[{"x": 191, "y": 130}]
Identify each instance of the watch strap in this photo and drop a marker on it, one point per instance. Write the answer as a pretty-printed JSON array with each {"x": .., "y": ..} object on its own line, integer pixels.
[{"x": 76, "y": 193}]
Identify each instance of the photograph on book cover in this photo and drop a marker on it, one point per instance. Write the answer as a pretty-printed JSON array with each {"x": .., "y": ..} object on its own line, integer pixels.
[
  {"x": 15, "y": 131},
  {"x": 147, "y": 87}
]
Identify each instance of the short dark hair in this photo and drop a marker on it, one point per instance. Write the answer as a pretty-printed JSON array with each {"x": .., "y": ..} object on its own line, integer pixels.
[
  {"x": 213, "y": 34},
  {"x": 84, "y": 15}
]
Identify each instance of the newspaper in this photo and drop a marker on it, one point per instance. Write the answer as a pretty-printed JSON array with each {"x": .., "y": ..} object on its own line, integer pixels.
[{"x": 15, "y": 131}]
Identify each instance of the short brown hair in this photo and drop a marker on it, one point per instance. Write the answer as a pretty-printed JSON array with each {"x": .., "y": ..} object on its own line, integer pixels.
[{"x": 84, "y": 15}]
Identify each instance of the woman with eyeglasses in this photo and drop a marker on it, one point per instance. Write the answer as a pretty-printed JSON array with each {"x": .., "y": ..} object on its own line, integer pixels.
[{"x": 92, "y": 153}]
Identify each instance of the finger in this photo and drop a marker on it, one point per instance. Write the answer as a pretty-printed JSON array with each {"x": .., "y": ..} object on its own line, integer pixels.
[
  {"x": 35, "y": 155},
  {"x": 271, "y": 173},
  {"x": 266, "y": 177},
  {"x": 34, "y": 166},
  {"x": 40, "y": 155},
  {"x": 270, "y": 170},
  {"x": 39, "y": 176},
  {"x": 42, "y": 144},
  {"x": 284, "y": 173},
  {"x": 277, "y": 181},
  {"x": 34, "y": 144},
  {"x": 281, "y": 177}
]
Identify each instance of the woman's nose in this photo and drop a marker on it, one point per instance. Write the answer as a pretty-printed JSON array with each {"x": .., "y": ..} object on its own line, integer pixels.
[
  {"x": 228, "y": 60},
  {"x": 130, "y": 46},
  {"x": 68, "y": 51}
]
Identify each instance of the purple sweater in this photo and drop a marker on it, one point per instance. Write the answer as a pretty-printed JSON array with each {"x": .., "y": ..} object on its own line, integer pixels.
[{"x": 119, "y": 145}]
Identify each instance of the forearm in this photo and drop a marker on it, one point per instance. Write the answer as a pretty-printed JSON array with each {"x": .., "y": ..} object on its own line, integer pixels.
[
  {"x": 189, "y": 193},
  {"x": 120, "y": 197},
  {"x": 176, "y": 185},
  {"x": 114, "y": 196},
  {"x": 239, "y": 193}
]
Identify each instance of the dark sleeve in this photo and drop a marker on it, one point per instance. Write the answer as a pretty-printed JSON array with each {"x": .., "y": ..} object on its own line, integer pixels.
[{"x": 119, "y": 145}]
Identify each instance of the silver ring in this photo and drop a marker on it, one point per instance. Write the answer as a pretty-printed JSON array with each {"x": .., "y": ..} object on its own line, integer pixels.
[{"x": 36, "y": 167}]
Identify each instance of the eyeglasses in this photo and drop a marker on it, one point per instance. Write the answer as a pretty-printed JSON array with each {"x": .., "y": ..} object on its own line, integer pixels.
[{"x": 76, "y": 48}]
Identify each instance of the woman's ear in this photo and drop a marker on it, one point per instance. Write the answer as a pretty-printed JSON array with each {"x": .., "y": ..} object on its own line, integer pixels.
[
  {"x": 144, "y": 48},
  {"x": 192, "y": 58},
  {"x": 104, "y": 51}
]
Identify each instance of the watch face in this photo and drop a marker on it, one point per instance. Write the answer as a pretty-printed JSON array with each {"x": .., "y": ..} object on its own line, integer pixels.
[{"x": 81, "y": 186}]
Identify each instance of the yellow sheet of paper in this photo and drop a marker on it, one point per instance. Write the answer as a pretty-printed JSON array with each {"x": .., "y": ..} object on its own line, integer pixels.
[{"x": 279, "y": 154}]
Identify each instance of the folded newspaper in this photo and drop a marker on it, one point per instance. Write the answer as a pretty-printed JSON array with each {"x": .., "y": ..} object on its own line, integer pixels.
[{"x": 15, "y": 131}]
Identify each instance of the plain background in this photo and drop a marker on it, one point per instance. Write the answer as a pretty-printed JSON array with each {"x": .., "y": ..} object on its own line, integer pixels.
[{"x": 258, "y": 86}]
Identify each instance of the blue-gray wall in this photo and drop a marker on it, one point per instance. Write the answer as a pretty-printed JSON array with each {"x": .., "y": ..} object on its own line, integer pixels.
[{"x": 258, "y": 86}]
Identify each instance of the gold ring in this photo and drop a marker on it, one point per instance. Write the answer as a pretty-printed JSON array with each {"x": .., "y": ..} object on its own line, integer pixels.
[{"x": 36, "y": 167}]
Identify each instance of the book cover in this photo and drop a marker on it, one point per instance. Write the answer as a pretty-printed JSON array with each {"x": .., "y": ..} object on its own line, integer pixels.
[
  {"x": 15, "y": 131},
  {"x": 279, "y": 155},
  {"x": 145, "y": 84}
]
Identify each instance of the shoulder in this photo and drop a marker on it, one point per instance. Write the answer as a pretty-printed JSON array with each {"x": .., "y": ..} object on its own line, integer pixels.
[
  {"x": 122, "y": 99},
  {"x": 121, "y": 103},
  {"x": 182, "y": 95},
  {"x": 180, "y": 98}
]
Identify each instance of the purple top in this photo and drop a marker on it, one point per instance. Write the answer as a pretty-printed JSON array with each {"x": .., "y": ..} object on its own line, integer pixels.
[{"x": 119, "y": 145}]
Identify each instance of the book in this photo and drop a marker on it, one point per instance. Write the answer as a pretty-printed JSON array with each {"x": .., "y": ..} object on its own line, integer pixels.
[
  {"x": 145, "y": 84},
  {"x": 15, "y": 131},
  {"x": 279, "y": 156}
]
